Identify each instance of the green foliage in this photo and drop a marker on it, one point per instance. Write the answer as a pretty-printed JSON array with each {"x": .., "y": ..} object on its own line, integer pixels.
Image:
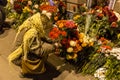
[
  {"x": 113, "y": 68},
  {"x": 97, "y": 61}
]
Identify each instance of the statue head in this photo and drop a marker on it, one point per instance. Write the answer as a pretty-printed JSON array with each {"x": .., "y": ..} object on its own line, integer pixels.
[{"x": 47, "y": 23}]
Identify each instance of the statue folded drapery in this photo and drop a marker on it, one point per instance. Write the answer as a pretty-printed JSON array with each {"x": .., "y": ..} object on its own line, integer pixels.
[{"x": 33, "y": 45}]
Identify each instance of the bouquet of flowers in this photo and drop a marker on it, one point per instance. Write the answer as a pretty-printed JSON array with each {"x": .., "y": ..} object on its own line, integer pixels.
[
  {"x": 72, "y": 41},
  {"x": 86, "y": 40},
  {"x": 99, "y": 22},
  {"x": 103, "y": 25},
  {"x": 22, "y": 6}
]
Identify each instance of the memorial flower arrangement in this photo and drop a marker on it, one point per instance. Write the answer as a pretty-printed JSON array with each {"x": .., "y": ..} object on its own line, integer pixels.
[
  {"x": 20, "y": 10},
  {"x": 103, "y": 25},
  {"x": 71, "y": 40},
  {"x": 90, "y": 42}
]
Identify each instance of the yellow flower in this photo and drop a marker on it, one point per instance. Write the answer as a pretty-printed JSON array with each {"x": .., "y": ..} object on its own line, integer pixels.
[
  {"x": 84, "y": 44},
  {"x": 68, "y": 57},
  {"x": 81, "y": 35},
  {"x": 91, "y": 43},
  {"x": 70, "y": 49},
  {"x": 61, "y": 25},
  {"x": 26, "y": 9},
  {"x": 81, "y": 40},
  {"x": 118, "y": 36},
  {"x": 72, "y": 43},
  {"x": 30, "y": 3},
  {"x": 76, "y": 17},
  {"x": 74, "y": 56}
]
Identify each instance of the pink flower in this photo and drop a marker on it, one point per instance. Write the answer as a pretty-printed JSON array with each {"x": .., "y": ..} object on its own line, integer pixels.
[{"x": 70, "y": 24}]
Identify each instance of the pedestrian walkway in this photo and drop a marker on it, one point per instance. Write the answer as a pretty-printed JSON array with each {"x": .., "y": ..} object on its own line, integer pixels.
[{"x": 56, "y": 68}]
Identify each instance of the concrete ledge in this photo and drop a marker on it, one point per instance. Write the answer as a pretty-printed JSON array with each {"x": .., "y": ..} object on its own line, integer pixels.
[
  {"x": 59, "y": 63},
  {"x": 67, "y": 71}
]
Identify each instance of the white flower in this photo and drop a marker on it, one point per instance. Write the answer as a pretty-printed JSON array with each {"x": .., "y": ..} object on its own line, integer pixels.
[
  {"x": 70, "y": 49},
  {"x": 34, "y": 11},
  {"x": 100, "y": 73},
  {"x": 36, "y": 6},
  {"x": 29, "y": 2},
  {"x": 115, "y": 55},
  {"x": 72, "y": 43},
  {"x": 118, "y": 57},
  {"x": 99, "y": 42},
  {"x": 44, "y": 12}
]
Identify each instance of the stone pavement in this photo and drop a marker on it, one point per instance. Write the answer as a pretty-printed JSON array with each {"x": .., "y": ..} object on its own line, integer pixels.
[
  {"x": 57, "y": 69},
  {"x": 117, "y": 6}
]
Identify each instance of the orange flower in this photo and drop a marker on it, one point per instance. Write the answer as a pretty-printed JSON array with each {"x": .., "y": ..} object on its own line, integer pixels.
[
  {"x": 56, "y": 18},
  {"x": 63, "y": 33},
  {"x": 61, "y": 25},
  {"x": 84, "y": 44},
  {"x": 78, "y": 47},
  {"x": 54, "y": 33},
  {"x": 106, "y": 47},
  {"x": 91, "y": 43},
  {"x": 105, "y": 42},
  {"x": 100, "y": 15},
  {"x": 99, "y": 50},
  {"x": 81, "y": 35},
  {"x": 74, "y": 56},
  {"x": 102, "y": 39},
  {"x": 48, "y": 8},
  {"x": 114, "y": 25},
  {"x": 81, "y": 40}
]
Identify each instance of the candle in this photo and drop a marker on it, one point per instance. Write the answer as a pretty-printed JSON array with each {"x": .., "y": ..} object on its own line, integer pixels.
[{"x": 111, "y": 4}]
